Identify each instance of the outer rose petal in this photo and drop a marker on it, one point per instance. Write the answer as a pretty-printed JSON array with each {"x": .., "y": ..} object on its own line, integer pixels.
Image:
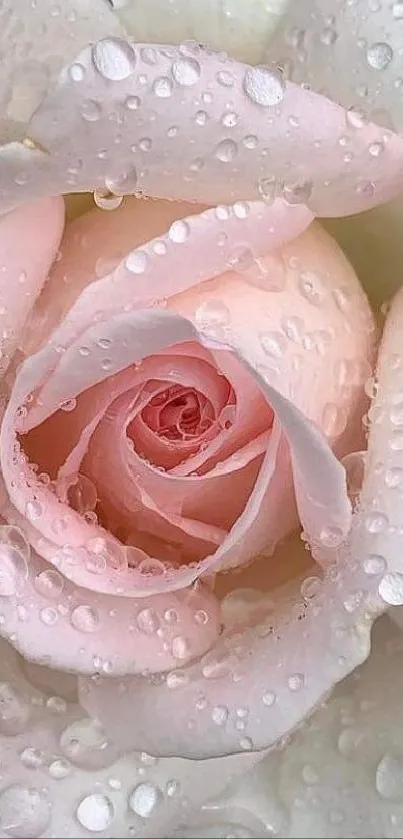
[
  {"x": 354, "y": 60},
  {"x": 241, "y": 27},
  {"x": 29, "y": 239},
  {"x": 54, "y": 757},
  {"x": 274, "y": 135},
  {"x": 35, "y": 42}
]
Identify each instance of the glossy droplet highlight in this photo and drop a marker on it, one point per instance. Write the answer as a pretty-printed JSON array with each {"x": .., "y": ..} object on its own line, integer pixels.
[
  {"x": 391, "y": 589},
  {"x": 95, "y": 812},
  {"x": 144, "y": 799},
  {"x": 264, "y": 86},
  {"x": 114, "y": 59}
]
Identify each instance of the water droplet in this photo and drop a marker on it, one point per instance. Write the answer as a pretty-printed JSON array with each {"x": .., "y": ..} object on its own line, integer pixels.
[
  {"x": 296, "y": 681},
  {"x": 311, "y": 288},
  {"x": 267, "y": 188},
  {"x": 264, "y": 86},
  {"x": 90, "y": 110},
  {"x": 144, "y": 799},
  {"x": 56, "y": 705},
  {"x": 85, "y": 744},
  {"x": 186, "y": 71},
  {"x": 201, "y": 617},
  {"x": 398, "y": 10},
  {"x": 379, "y": 55},
  {"x": 32, "y": 758},
  {"x": 95, "y": 812},
  {"x": 49, "y": 616},
  {"x": 85, "y": 618},
  {"x": 374, "y": 564},
  {"x": 298, "y": 192},
  {"x": 219, "y": 715},
  {"x": 391, "y": 589},
  {"x": 77, "y": 72},
  {"x": 331, "y": 537},
  {"x": 162, "y": 87},
  {"x": 148, "y": 621},
  {"x": 24, "y": 811},
  {"x": 114, "y": 59},
  {"x": 269, "y": 698},
  {"x": 106, "y": 200},
  {"x": 79, "y": 492},
  {"x": 376, "y": 522},
  {"x": 33, "y": 510},
  {"x": 59, "y": 769},
  {"x": 14, "y": 711},
  {"x": 180, "y": 647},
  {"x": 49, "y": 583},
  {"x": 137, "y": 262},
  {"x": 176, "y": 679},
  {"x": 389, "y": 777},
  {"x": 172, "y": 788},
  {"x": 132, "y": 103},
  {"x": 273, "y": 344},
  {"x": 13, "y": 569},
  {"x": 179, "y": 232},
  {"x": 226, "y": 151}
]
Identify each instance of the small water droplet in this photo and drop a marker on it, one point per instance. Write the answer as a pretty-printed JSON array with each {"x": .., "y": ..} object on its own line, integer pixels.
[
  {"x": 219, "y": 715},
  {"x": 77, "y": 72},
  {"x": 33, "y": 510},
  {"x": 389, "y": 778},
  {"x": 296, "y": 681},
  {"x": 90, "y": 110},
  {"x": 374, "y": 564},
  {"x": 269, "y": 698},
  {"x": 162, "y": 87},
  {"x": 95, "y": 812},
  {"x": 226, "y": 151},
  {"x": 49, "y": 616},
  {"x": 59, "y": 769},
  {"x": 180, "y": 647},
  {"x": 49, "y": 583},
  {"x": 179, "y": 232},
  {"x": 391, "y": 589},
  {"x": 376, "y": 522},
  {"x": 137, "y": 262},
  {"x": 85, "y": 744},
  {"x": 148, "y": 621}
]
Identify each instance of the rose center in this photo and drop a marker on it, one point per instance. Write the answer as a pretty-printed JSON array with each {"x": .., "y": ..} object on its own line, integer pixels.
[{"x": 179, "y": 414}]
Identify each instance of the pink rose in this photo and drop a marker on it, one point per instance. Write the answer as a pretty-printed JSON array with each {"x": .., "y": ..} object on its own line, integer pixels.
[{"x": 182, "y": 390}]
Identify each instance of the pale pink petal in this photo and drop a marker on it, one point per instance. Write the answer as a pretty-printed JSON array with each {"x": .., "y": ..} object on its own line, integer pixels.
[
  {"x": 29, "y": 239},
  {"x": 258, "y": 683},
  {"x": 47, "y": 618},
  {"x": 181, "y": 140}
]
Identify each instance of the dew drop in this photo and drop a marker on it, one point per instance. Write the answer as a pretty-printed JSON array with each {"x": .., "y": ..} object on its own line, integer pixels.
[
  {"x": 186, "y": 72},
  {"x": 144, "y": 799},
  {"x": 77, "y": 72},
  {"x": 391, "y": 589},
  {"x": 85, "y": 744},
  {"x": 374, "y": 564},
  {"x": 49, "y": 583},
  {"x": 226, "y": 151},
  {"x": 269, "y": 698},
  {"x": 379, "y": 55},
  {"x": 162, "y": 87},
  {"x": 148, "y": 621},
  {"x": 90, "y": 110},
  {"x": 114, "y": 59},
  {"x": 106, "y": 200},
  {"x": 24, "y": 811},
  {"x": 212, "y": 313},
  {"x": 296, "y": 681},
  {"x": 49, "y": 616},
  {"x": 33, "y": 510},
  {"x": 264, "y": 86},
  {"x": 179, "y": 232},
  {"x": 59, "y": 769},
  {"x": 219, "y": 715},
  {"x": 273, "y": 344},
  {"x": 376, "y": 522},
  {"x": 137, "y": 262},
  {"x": 85, "y": 618},
  {"x": 95, "y": 812}
]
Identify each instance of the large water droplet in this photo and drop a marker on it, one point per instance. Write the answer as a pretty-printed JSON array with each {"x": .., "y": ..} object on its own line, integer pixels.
[
  {"x": 24, "y": 811},
  {"x": 85, "y": 744},
  {"x": 186, "y": 71},
  {"x": 379, "y": 55},
  {"x": 144, "y": 799},
  {"x": 79, "y": 492},
  {"x": 95, "y": 812},
  {"x": 179, "y": 231},
  {"x": 264, "y": 86},
  {"x": 114, "y": 59},
  {"x": 391, "y": 589}
]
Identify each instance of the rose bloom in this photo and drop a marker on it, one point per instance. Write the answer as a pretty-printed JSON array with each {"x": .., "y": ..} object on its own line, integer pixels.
[{"x": 189, "y": 522}]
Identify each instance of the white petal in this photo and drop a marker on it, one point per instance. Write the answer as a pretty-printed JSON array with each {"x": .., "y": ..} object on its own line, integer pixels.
[{"x": 36, "y": 40}]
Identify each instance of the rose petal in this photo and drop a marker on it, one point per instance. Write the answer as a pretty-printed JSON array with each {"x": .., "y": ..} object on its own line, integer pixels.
[
  {"x": 296, "y": 150},
  {"x": 29, "y": 239},
  {"x": 35, "y": 42},
  {"x": 258, "y": 683},
  {"x": 62, "y": 775},
  {"x": 351, "y": 53},
  {"x": 242, "y": 27},
  {"x": 85, "y": 632}
]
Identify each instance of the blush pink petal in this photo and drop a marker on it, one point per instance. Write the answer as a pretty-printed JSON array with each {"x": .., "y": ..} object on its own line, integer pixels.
[
  {"x": 29, "y": 239},
  {"x": 87, "y": 632},
  {"x": 177, "y": 137}
]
